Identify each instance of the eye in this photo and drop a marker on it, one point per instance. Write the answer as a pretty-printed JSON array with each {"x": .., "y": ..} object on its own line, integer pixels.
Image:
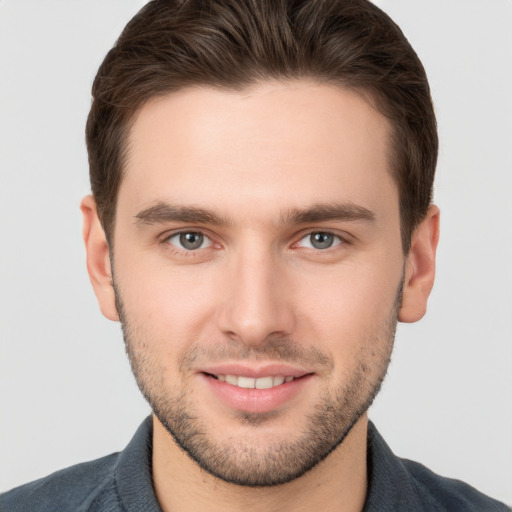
[
  {"x": 189, "y": 240},
  {"x": 320, "y": 240}
]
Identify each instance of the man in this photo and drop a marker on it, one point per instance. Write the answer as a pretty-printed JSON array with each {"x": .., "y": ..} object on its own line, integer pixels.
[{"x": 261, "y": 218}]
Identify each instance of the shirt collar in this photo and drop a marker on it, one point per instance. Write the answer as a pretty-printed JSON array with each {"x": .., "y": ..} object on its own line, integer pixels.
[
  {"x": 133, "y": 478},
  {"x": 390, "y": 486}
]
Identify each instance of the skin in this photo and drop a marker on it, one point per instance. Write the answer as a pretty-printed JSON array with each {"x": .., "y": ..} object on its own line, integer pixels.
[{"x": 253, "y": 159}]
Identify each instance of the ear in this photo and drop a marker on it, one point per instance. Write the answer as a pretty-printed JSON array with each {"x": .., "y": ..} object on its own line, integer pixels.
[
  {"x": 420, "y": 268},
  {"x": 98, "y": 258}
]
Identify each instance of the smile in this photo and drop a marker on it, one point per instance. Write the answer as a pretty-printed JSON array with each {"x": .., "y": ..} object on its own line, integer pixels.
[
  {"x": 267, "y": 389},
  {"x": 254, "y": 383}
]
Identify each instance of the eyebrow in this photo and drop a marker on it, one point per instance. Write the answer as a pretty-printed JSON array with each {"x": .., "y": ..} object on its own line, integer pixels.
[
  {"x": 161, "y": 213},
  {"x": 325, "y": 212}
]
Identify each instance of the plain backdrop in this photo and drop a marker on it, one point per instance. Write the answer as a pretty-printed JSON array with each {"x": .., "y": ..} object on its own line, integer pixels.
[{"x": 66, "y": 391}]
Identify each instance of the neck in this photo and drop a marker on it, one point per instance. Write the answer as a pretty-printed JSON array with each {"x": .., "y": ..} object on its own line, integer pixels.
[{"x": 338, "y": 483}]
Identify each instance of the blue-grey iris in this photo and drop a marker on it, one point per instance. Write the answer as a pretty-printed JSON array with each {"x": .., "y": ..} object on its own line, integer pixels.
[
  {"x": 321, "y": 240},
  {"x": 191, "y": 241}
]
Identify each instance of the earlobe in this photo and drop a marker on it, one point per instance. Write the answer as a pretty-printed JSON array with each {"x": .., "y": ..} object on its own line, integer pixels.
[
  {"x": 98, "y": 258},
  {"x": 420, "y": 268}
]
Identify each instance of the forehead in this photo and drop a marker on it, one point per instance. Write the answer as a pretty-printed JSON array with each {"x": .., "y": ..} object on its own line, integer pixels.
[{"x": 275, "y": 144}]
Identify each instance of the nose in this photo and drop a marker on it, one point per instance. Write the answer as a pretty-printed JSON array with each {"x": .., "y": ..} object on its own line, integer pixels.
[{"x": 258, "y": 300}]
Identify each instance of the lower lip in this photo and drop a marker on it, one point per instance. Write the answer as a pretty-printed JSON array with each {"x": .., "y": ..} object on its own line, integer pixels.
[{"x": 256, "y": 400}]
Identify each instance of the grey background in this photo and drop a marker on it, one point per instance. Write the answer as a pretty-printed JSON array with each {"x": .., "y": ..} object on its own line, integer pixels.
[{"x": 66, "y": 391}]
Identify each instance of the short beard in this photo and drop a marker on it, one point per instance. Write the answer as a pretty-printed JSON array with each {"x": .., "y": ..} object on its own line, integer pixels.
[{"x": 237, "y": 461}]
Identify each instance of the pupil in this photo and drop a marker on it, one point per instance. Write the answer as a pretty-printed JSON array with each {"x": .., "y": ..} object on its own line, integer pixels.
[
  {"x": 321, "y": 240},
  {"x": 191, "y": 241}
]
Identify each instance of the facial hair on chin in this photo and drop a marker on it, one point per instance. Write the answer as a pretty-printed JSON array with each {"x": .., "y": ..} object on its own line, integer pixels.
[{"x": 238, "y": 461}]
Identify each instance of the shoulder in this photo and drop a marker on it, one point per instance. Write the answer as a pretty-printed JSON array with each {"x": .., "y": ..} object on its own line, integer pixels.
[
  {"x": 397, "y": 484},
  {"x": 449, "y": 494},
  {"x": 72, "y": 489},
  {"x": 121, "y": 481}
]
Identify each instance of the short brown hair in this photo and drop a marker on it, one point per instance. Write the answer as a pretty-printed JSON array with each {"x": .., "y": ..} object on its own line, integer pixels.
[{"x": 232, "y": 44}]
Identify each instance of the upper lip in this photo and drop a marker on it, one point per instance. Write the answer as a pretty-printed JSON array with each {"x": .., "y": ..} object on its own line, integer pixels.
[{"x": 262, "y": 370}]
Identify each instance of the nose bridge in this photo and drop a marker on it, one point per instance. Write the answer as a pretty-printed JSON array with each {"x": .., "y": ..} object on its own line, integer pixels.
[{"x": 257, "y": 304}]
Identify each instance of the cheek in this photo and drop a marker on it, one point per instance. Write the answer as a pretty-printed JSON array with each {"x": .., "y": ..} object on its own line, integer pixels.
[
  {"x": 165, "y": 302},
  {"x": 351, "y": 295},
  {"x": 349, "y": 309}
]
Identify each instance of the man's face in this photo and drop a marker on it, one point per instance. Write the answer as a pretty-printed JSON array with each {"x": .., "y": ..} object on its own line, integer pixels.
[{"x": 257, "y": 245}]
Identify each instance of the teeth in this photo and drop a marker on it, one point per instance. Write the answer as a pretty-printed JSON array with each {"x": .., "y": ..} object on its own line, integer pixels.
[
  {"x": 245, "y": 382},
  {"x": 232, "y": 379},
  {"x": 251, "y": 383},
  {"x": 277, "y": 381},
  {"x": 263, "y": 382}
]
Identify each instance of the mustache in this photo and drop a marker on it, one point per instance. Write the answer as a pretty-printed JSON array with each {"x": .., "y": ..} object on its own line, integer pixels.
[{"x": 280, "y": 349}]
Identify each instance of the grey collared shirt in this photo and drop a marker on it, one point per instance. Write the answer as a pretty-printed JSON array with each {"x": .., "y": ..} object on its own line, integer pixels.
[{"x": 121, "y": 482}]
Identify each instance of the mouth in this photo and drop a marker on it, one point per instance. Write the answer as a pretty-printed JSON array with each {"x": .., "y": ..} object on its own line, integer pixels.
[
  {"x": 256, "y": 386},
  {"x": 256, "y": 390},
  {"x": 264, "y": 382}
]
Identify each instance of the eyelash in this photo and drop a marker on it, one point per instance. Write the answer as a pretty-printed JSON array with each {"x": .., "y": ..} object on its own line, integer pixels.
[
  {"x": 339, "y": 240},
  {"x": 183, "y": 251}
]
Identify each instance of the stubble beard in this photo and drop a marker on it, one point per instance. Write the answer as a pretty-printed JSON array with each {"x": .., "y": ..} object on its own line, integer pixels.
[{"x": 237, "y": 461}]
